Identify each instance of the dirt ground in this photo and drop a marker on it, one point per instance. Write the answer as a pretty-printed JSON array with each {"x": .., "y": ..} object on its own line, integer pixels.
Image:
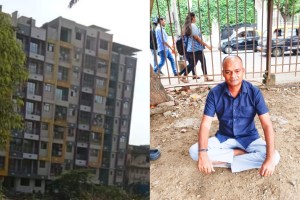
[{"x": 175, "y": 175}]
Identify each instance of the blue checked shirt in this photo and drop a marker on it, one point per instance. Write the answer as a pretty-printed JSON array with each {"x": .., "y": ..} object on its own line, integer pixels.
[
  {"x": 193, "y": 45},
  {"x": 161, "y": 40},
  {"x": 236, "y": 115}
]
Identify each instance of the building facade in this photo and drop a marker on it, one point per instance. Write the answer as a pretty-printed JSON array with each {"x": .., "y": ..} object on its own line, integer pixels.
[
  {"x": 138, "y": 170},
  {"x": 77, "y": 105}
]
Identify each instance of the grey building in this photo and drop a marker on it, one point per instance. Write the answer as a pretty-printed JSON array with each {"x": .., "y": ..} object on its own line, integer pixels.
[{"x": 77, "y": 105}]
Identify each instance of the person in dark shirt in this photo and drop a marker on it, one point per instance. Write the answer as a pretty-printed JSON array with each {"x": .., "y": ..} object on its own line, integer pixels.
[
  {"x": 153, "y": 43},
  {"x": 237, "y": 144}
]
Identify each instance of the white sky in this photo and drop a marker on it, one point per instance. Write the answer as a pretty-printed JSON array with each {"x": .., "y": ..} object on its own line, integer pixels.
[{"x": 128, "y": 21}]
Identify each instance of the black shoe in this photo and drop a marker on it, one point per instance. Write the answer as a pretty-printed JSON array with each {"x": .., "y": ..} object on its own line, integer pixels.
[{"x": 175, "y": 74}]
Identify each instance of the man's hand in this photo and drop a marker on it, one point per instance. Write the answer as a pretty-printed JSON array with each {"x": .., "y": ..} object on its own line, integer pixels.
[
  {"x": 267, "y": 168},
  {"x": 204, "y": 164}
]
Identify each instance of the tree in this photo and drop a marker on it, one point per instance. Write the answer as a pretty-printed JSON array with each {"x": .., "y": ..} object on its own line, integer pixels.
[
  {"x": 12, "y": 77},
  {"x": 287, "y": 8},
  {"x": 76, "y": 185},
  {"x": 72, "y": 2},
  {"x": 204, "y": 9}
]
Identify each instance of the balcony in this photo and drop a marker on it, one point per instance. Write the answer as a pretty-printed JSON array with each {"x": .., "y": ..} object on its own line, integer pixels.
[
  {"x": 31, "y": 136},
  {"x": 81, "y": 158},
  {"x": 30, "y": 156},
  {"x": 80, "y": 162},
  {"x": 36, "y": 56},
  {"x": 34, "y": 115}
]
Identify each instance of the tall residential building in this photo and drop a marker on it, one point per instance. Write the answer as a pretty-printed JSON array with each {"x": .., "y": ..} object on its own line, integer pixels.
[
  {"x": 77, "y": 105},
  {"x": 138, "y": 169}
]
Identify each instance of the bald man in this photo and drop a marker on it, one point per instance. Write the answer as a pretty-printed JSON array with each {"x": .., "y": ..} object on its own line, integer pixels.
[{"x": 237, "y": 144}]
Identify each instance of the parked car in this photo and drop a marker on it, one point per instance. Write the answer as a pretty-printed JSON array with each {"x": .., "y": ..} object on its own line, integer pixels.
[
  {"x": 242, "y": 39},
  {"x": 227, "y": 30},
  {"x": 284, "y": 39}
]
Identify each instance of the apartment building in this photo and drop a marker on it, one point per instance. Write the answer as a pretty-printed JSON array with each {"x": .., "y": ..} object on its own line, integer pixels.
[
  {"x": 138, "y": 166},
  {"x": 77, "y": 105}
]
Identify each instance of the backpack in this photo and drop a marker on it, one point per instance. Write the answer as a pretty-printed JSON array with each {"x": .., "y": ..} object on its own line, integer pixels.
[
  {"x": 181, "y": 44},
  {"x": 154, "y": 40}
]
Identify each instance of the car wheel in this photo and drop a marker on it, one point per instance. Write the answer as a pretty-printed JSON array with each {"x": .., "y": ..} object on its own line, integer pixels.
[
  {"x": 295, "y": 51},
  {"x": 276, "y": 52},
  {"x": 255, "y": 49},
  {"x": 228, "y": 50}
]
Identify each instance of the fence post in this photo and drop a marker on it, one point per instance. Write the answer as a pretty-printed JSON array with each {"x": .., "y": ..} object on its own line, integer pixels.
[{"x": 269, "y": 42}]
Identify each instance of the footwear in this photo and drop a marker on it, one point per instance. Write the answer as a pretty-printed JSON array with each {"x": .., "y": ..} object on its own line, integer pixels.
[
  {"x": 184, "y": 80},
  {"x": 206, "y": 79},
  {"x": 175, "y": 74},
  {"x": 196, "y": 77},
  {"x": 162, "y": 74},
  {"x": 154, "y": 154}
]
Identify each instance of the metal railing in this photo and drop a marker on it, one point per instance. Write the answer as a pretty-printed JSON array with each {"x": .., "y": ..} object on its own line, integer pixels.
[{"x": 262, "y": 54}]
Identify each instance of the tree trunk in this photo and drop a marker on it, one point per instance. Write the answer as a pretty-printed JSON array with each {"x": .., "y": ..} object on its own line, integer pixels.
[{"x": 158, "y": 93}]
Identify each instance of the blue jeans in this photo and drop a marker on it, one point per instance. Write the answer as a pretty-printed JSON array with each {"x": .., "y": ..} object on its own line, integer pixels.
[{"x": 163, "y": 60}]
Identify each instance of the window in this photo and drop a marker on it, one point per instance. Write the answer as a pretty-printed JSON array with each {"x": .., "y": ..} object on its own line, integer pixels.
[
  {"x": 50, "y": 47},
  {"x": 49, "y": 67},
  {"x": 46, "y": 107},
  {"x": 125, "y": 105},
  {"x": 44, "y": 126},
  {"x": 127, "y": 87},
  {"x": 65, "y": 34},
  {"x": 2, "y": 162},
  {"x": 69, "y": 147},
  {"x": 62, "y": 94},
  {"x": 78, "y": 36},
  {"x": 124, "y": 122},
  {"x": 123, "y": 138},
  {"x": 73, "y": 93},
  {"x": 77, "y": 56},
  {"x": 48, "y": 87},
  {"x": 99, "y": 82},
  {"x": 72, "y": 111},
  {"x": 29, "y": 107},
  {"x": 103, "y": 44},
  {"x": 67, "y": 166},
  {"x": 71, "y": 132},
  {"x": 25, "y": 182},
  {"x": 31, "y": 88},
  {"x": 102, "y": 66},
  {"x": 38, "y": 183},
  {"x": 62, "y": 73},
  {"x": 98, "y": 99},
  {"x": 129, "y": 70},
  {"x": 33, "y": 47},
  {"x": 42, "y": 164},
  {"x": 94, "y": 152},
  {"x": 32, "y": 67},
  {"x": 76, "y": 75},
  {"x": 43, "y": 145}
]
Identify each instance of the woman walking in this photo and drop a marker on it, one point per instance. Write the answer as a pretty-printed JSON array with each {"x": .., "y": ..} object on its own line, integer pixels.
[{"x": 195, "y": 48}]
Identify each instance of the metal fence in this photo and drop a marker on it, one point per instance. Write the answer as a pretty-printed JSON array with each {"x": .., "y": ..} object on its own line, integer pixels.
[{"x": 264, "y": 34}]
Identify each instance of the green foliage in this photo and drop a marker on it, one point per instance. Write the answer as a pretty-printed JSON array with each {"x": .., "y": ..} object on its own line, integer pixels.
[
  {"x": 287, "y": 8},
  {"x": 12, "y": 76},
  {"x": 77, "y": 185},
  {"x": 231, "y": 12}
]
